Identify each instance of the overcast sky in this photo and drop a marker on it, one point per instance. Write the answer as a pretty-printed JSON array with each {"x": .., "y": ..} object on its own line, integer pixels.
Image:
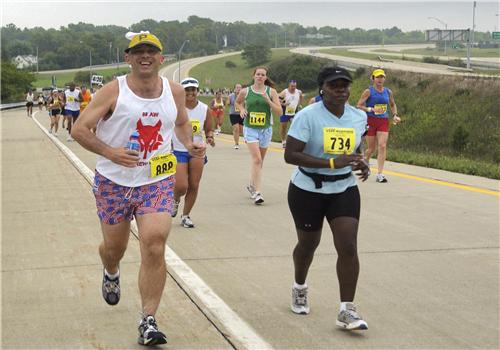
[{"x": 407, "y": 15}]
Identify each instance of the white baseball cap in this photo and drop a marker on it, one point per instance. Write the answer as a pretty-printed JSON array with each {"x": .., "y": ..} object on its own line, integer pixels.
[{"x": 190, "y": 82}]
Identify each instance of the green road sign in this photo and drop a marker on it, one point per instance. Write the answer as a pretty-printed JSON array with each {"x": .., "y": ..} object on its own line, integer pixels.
[{"x": 495, "y": 35}]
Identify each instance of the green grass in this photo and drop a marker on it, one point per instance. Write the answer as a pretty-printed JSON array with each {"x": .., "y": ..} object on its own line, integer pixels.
[
  {"x": 45, "y": 79},
  {"x": 347, "y": 53},
  {"x": 214, "y": 74}
]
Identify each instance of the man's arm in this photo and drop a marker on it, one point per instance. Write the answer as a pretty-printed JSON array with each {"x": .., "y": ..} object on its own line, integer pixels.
[{"x": 102, "y": 106}]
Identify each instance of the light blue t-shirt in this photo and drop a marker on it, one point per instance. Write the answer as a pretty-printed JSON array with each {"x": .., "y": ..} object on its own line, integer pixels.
[{"x": 322, "y": 131}]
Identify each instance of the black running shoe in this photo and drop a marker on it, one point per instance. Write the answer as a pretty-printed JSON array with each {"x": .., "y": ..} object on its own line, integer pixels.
[
  {"x": 149, "y": 334},
  {"x": 111, "y": 289}
]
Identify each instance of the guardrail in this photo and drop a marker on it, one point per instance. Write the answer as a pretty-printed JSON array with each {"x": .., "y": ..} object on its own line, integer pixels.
[{"x": 12, "y": 105}]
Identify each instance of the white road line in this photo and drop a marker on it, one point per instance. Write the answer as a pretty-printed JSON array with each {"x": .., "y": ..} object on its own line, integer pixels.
[{"x": 241, "y": 334}]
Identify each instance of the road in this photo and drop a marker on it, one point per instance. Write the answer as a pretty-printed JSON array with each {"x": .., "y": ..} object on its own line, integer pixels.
[
  {"x": 409, "y": 66},
  {"x": 428, "y": 246}
]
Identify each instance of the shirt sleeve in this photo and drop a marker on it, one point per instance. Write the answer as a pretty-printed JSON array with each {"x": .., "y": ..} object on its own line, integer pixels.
[{"x": 300, "y": 128}]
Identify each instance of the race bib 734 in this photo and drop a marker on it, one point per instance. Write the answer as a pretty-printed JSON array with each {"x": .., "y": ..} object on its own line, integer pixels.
[{"x": 339, "y": 140}]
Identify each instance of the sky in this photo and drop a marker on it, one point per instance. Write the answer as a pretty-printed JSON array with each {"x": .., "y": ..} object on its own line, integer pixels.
[{"x": 368, "y": 14}]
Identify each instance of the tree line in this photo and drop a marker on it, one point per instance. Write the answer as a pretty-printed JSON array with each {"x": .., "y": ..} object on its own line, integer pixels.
[{"x": 82, "y": 44}]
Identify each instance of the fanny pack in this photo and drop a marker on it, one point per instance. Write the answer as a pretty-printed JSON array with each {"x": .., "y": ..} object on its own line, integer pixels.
[{"x": 318, "y": 179}]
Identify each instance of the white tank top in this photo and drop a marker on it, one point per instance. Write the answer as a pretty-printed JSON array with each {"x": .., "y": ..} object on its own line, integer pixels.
[
  {"x": 292, "y": 100},
  {"x": 71, "y": 97},
  {"x": 197, "y": 117},
  {"x": 154, "y": 120},
  {"x": 29, "y": 98}
]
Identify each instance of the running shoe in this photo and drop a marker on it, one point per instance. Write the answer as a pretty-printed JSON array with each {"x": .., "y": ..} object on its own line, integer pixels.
[
  {"x": 349, "y": 319},
  {"x": 149, "y": 334},
  {"x": 251, "y": 189},
  {"x": 381, "y": 178},
  {"x": 186, "y": 221},
  {"x": 258, "y": 198},
  {"x": 299, "y": 301},
  {"x": 50, "y": 131},
  {"x": 69, "y": 139},
  {"x": 110, "y": 289},
  {"x": 55, "y": 134},
  {"x": 283, "y": 144},
  {"x": 175, "y": 208},
  {"x": 236, "y": 147}
]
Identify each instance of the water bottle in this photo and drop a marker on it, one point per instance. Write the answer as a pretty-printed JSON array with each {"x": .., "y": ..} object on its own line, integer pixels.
[{"x": 134, "y": 145}]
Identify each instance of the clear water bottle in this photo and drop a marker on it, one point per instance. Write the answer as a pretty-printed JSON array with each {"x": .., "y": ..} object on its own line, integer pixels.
[{"x": 134, "y": 145}]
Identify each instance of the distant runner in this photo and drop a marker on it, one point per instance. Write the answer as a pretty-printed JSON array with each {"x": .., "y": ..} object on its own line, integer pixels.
[
  {"x": 234, "y": 116},
  {"x": 217, "y": 108},
  {"x": 292, "y": 99},
  {"x": 375, "y": 101}
]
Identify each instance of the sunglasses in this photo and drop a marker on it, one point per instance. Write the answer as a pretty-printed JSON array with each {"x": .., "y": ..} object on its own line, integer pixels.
[{"x": 191, "y": 81}]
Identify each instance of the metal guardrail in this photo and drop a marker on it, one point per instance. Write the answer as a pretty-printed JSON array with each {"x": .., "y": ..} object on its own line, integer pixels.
[{"x": 12, "y": 105}]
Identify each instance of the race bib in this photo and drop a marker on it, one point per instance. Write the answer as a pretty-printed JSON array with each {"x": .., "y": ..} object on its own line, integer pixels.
[
  {"x": 163, "y": 164},
  {"x": 236, "y": 109},
  {"x": 339, "y": 140},
  {"x": 71, "y": 99},
  {"x": 195, "y": 123},
  {"x": 257, "y": 118},
  {"x": 290, "y": 110},
  {"x": 380, "y": 106}
]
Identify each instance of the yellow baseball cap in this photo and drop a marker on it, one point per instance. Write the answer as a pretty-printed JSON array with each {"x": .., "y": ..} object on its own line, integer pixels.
[
  {"x": 144, "y": 39},
  {"x": 378, "y": 72}
]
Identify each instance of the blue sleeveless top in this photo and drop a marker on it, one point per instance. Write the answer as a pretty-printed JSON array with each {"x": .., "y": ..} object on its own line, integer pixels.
[{"x": 379, "y": 99}]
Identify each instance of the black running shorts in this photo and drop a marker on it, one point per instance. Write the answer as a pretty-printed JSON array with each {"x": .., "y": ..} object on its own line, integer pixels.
[{"x": 310, "y": 208}]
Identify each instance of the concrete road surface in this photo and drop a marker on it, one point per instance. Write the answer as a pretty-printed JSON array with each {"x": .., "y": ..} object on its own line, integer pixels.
[{"x": 428, "y": 245}]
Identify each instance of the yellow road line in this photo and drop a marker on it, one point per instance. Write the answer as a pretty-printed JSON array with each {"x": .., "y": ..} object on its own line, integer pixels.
[{"x": 410, "y": 177}]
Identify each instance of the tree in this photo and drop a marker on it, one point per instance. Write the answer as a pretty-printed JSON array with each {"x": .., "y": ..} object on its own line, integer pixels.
[
  {"x": 14, "y": 83},
  {"x": 256, "y": 54}
]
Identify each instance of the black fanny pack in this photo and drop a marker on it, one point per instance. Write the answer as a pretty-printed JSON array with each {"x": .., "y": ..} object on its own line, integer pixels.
[{"x": 318, "y": 179}]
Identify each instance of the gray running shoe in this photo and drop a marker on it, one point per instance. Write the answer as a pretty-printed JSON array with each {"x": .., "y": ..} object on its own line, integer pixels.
[
  {"x": 186, "y": 221},
  {"x": 350, "y": 320},
  {"x": 149, "y": 334},
  {"x": 299, "y": 301},
  {"x": 258, "y": 198},
  {"x": 175, "y": 208},
  {"x": 110, "y": 289},
  {"x": 251, "y": 189}
]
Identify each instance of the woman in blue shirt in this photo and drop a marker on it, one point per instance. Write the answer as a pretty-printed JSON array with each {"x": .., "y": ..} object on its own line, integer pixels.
[{"x": 324, "y": 142}]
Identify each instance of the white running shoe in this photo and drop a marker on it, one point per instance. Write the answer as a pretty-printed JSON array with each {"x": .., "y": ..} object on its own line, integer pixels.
[
  {"x": 381, "y": 178},
  {"x": 236, "y": 147},
  {"x": 258, "y": 198},
  {"x": 349, "y": 319},
  {"x": 299, "y": 301},
  {"x": 69, "y": 139},
  {"x": 186, "y": 221},
  {"x": 175, "y": 208}
]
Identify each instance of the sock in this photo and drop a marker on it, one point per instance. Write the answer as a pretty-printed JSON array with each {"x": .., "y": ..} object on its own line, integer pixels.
[
  {"x": 112, "y": 276},
  {"x": 343, "y": 305},
  {"x": 299, "y": 286}
]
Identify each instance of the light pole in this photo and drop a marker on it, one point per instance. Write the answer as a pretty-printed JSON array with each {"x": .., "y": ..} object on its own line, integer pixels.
[
  {"x": 445, "y": 27},
  {"x": 90, "y": 68},
  {"x": 180, "y": 53},
  {"x": 110, "y": 46},
  {"x": 37, "y": 59}
]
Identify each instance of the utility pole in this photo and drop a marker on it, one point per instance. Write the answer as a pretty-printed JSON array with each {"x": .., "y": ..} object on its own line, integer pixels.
[
  {"x": 180, "y": 53},
  {"x": 117, "y": 61},
  {"x": 285, "y": 39},
  {"x": 473, "y": 21},
  {"x": 37, "y": 59},
  {"x": 90, "y": 68}
]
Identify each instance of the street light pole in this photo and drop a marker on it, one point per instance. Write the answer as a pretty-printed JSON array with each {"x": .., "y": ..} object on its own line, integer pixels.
[
  {"x": 90, "y": 68},
  {"x": 446, "y": 28},
  {"x": 180, "y": 53},
  {"x": 37, "y": 59}
]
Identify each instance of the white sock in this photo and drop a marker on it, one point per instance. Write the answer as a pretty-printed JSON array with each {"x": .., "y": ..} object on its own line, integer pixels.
[
  {"x": 299, "y": 286},
  {"x": 112, "y": 276},
  {"x": 343, "y": 305}
]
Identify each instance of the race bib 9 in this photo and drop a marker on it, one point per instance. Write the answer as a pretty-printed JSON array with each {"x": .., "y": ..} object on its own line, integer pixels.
[
  {"x": 339, "y": 140},
  {"x": 257, "y": 118},
  {"x": 195, "y": 123},
  {"x": 163, "y": 164},
  {"x": 71, "y": 99}
]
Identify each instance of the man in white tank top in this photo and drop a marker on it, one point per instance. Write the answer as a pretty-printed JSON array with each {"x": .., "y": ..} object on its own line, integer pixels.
[
  {"x": 291, "y": 99},
  {"x": 136, "y": 116}
]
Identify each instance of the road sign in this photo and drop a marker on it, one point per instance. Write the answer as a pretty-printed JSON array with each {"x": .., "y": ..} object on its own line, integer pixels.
[
  {"x": 447, "y": 35},
  {"x": 495, "y": 35},
  {"x": 96, "y": 79}
]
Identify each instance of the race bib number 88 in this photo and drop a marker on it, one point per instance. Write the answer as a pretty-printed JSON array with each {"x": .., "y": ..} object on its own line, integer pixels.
[
  {"x": 339, "y": 140},
  {"x": 163, "y": 164}
]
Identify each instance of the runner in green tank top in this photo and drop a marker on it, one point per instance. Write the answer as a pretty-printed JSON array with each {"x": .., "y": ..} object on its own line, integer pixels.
[{"x": 257, "y": 103}]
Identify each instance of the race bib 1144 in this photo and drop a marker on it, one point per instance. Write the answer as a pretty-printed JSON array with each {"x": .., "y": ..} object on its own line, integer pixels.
[{"x": 257, "y": 118}]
